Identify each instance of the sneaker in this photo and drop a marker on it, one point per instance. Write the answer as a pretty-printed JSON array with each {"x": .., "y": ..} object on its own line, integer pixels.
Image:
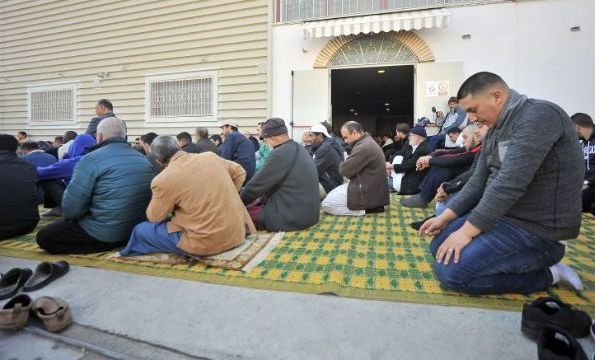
[
  {"x": 547, "y": 311},
  {"x": 54, "y": 212},
  {"x": 415, "y": 201},
  {"x": 417, "y": 225},
  {"x": 557, "y": 344}
]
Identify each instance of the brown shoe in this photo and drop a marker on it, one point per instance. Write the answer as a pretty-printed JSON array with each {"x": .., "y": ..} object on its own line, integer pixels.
[
  {"x": 53, "y": 312},
  {"x": 15, "y": 313}
]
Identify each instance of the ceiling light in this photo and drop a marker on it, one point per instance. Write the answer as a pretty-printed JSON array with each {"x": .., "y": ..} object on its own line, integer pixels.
[
  {"x": 387, "y": 109},
  {"x": 381, "y": 71},
  {"x": 352, "y": 110},
  {"x": 386, "y": 104},
  {"x": 356, "y": 114}
]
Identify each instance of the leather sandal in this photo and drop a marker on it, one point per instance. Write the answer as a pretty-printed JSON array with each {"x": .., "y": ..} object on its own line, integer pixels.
[
  {"x": 53, "y": 312},
  {"x": 45, "y": 273},
  {"x": 12, "y": 281},
  {"x": 15, "y": 313}
]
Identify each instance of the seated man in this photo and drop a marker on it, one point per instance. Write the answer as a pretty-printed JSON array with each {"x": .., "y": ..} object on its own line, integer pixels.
[
  {"x": 18, "y": 191},
  {"x": 103, "y": 109},
  {"x": 327, "y": 154},
  {"x": 586, "y": 131},
  {"x": 367, "y": 190},
  {"x": 237, "y": 148},
  {"x": 404, "y": 178},
  {"x": 203, "y": 143},
  {"x": 401, "y": 143},
  {"x": 208, "y": 215},
  {"x": 456, "y": 117},
  {"x": 454, "y": 137},
  {"x": 504, "y": 232},
  {"x": 146, "y": 141},
  {"x": 443, "y": 166},
  {"x": 106, "y": 197},
  {"x": 33, "y": 155},
  {"x": 185, "y": 143},
  {"x": 263, "y": 151},
  {"x": 54, "y": 178},
  {"x": 69, "y": 137},
  {"x": 286, "y": 187}
]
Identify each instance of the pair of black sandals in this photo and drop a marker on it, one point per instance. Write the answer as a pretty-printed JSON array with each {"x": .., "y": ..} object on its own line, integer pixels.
[{"x": 26, "y": 280}]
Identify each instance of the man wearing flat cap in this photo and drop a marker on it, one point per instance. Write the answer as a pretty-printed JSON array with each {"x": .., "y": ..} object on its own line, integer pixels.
[
  {"x": 283, "y": 195},
  {"x": 237, "y": 148}
]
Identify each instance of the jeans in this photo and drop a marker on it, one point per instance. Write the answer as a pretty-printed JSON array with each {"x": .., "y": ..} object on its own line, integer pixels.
[
  {"x": 65, "y": 237},
  {"x": 506, "y": 259},
  {"x": 442, "y": 205},
  {"x": 149, "y": 237}
]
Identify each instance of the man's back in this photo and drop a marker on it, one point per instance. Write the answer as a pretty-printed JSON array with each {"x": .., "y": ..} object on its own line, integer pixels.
[
  {"x": 39, "y": 158},
  {"x": 109, "y": 191},
  {"x": 327, "y": 160},
  {"x": 208, "y": 209},
  {"x": 206, "y": 145},
  {"x": 18, "y": 191},
  {"x": 239, "y": 149}
]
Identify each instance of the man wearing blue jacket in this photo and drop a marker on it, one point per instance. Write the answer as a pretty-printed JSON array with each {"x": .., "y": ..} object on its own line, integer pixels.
[
  {"x": 237, "y": 148},
  {"x": 107, "y": 196}
]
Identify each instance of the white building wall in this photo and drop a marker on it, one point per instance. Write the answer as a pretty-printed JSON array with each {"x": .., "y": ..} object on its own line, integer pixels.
[{"x": 528, "y": 43}]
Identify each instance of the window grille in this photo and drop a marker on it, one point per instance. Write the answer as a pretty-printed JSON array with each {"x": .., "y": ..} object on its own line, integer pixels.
[
  {"x": 52, "y": 104},
  {"x": 185, "y": 97}
]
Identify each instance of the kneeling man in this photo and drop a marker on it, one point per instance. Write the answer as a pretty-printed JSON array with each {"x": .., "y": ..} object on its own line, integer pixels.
[
  {"x": 505, "y": 231},
  {"x": 367, "y": 189},
  {"x": 283, "y": 195},
  {"x": 208, "y": 215}
]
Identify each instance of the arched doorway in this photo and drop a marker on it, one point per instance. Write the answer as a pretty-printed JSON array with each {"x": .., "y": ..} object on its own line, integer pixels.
[{"x": 372, "y": 78}]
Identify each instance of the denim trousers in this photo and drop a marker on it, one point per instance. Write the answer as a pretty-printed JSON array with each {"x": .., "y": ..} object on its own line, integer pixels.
[
  {"x": 506, "y": 259},
  {"x": 149, "y": 237}
]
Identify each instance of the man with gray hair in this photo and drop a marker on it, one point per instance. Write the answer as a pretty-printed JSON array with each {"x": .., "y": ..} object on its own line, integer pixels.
[
  {"x": 208, "y": 215},
  {"x": 106, "y": 197},
  {"x": 202, "y": 141}
]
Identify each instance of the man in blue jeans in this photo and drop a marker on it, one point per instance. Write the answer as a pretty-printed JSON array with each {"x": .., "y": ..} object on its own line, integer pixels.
[{"x": 505, "y": 231}]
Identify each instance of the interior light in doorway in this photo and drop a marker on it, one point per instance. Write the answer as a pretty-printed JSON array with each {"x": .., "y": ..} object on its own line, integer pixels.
[
  {"x": 356, "y": 114},
  {"x": 387, "y": 109},
  {"x": 381, "y": 71},
  {"x": 352, "y": 110},
  {"x": 466, "y": 36},
  {"x": 386, "y": 104}
]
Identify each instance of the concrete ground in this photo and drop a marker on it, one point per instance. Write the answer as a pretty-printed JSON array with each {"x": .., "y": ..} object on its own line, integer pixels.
[{"x": 127, "y": 316}]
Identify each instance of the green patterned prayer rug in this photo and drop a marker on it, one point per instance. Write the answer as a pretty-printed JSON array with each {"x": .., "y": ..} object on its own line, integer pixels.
[{"x": 376, "y": 257}]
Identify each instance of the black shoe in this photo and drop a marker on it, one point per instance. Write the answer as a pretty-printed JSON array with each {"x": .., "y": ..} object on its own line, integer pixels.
[
  {"x": 557, "y": 344},
  {"x": 417, "y": 225},
  {"x": 45, "y": 273},
  {"x": 379, "y": 209},
  {"x": 548, "y": 311},
  {"x": 12, "y": 281}
]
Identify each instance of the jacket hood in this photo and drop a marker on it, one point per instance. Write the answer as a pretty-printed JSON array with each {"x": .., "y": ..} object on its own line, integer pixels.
[
  {"x": 514, "y": 102},
  {"x": 80, "y": 145}
]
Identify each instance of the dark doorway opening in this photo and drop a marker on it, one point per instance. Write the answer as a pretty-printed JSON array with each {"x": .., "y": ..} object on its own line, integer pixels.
[{"x": 378, "y": 98}]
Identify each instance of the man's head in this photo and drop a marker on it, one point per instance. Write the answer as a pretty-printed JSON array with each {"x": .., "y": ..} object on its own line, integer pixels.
[
  {"x": 202, "y": 133},
  {"x": 417, "y": 135},
  {"x": 307, "y": 138},
  {"x": 58, "y": 141},
  {"x": 402, "y": 131},
  {"x": 274, "y": 131},
  {"x": 28, "y": 147},
  {"x": 453, "y": 134},
  {"x": 137, "y": 144},
  {"x": 259, "y": 130},
  {"x": 163, "y": 148},
  {"x": 352, "y": 131},
  {"x": 103, "y": 106},
  {"x": 146, "y": 141},
  {"x": 69, "y": 135},
  {"x": 482, "y": 97},
  {"x": 228, "y": 126},
  {"x": 183, "y": 139},
  {"x": 110, "y": 128},
  {"x": 22, "y": 136},
  {"x": 319, "y": 134},
  {"x": 472, "y": 136},
  {"x": 453, "y": 102},
  {"x": 583, "y": 124},
  {"x": 8, "y": 143}
]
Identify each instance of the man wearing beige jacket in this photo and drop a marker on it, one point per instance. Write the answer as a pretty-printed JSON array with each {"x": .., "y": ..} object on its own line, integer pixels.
[{"x": 201, "y": 193}]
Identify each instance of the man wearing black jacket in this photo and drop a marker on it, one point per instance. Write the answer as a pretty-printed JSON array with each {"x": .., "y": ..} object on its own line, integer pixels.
[
  {"x": 586, "y": 132},
  {"x": 18, "y": 191},
  {"x": 410, "y": 178},
  {"x": 327, "y": 154},
  {"x": 104, "y": 109}
]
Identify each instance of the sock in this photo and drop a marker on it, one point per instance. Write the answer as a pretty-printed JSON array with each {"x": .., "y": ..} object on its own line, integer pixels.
[{"x": 566, "y": 277}]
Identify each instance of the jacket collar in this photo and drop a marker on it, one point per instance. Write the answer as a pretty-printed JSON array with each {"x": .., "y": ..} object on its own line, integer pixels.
[
  {"x": 107, "y": 142},
  {"x": 514, "y": 102}
]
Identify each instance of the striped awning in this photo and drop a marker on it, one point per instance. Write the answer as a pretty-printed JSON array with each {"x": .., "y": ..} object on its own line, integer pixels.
[{"x": 408, "y": 20}]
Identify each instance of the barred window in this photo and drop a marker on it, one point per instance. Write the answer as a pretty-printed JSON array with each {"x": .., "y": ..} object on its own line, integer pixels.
[
  {"x": 52, "y": 104},
  {"x": 179, "y": 96}
]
